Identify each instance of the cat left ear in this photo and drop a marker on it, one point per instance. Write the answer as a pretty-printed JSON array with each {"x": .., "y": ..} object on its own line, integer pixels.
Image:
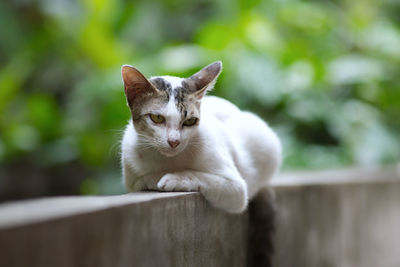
[
  {"x": 205, "y": 79},
  {"x": 136, "y": 85}
]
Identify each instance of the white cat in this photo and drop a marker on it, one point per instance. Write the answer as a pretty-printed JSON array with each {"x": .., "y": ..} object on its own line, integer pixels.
[{"x": 181, "y": 140}]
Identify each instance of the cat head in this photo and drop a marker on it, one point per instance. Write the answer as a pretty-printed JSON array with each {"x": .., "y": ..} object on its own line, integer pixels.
[{"x": 165, "y": 109}]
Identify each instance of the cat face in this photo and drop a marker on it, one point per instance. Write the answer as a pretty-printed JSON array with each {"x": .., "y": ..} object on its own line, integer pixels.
[
  {"x": 166, "y": 110},
  {"x": 169, "y": 119}
]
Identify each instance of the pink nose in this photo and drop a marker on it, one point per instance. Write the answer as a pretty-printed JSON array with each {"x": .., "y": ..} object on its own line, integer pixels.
[{"x": 173, "y": 143}]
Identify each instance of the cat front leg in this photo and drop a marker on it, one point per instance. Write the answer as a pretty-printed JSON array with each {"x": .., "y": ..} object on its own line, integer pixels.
[
  {"x": 226, "y": 191},
  {"x": 134, "y": 182}
]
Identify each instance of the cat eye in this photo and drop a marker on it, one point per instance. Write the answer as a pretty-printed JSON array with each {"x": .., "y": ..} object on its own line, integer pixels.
[
  {"x": 190, "y": 122},
  {"x": 157, "y": 118}
]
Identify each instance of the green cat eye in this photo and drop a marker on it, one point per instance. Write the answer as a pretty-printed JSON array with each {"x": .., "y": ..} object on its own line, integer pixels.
[
  {"x": 157, "y": 118},
  {"x": 190, "y": 122}
]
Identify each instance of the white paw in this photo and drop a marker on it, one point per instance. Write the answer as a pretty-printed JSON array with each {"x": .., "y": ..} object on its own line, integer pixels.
[{"x": 174, "y": 182}]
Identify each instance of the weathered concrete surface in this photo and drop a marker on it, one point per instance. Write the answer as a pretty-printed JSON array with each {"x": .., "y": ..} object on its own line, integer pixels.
[
  {"x": 346, "y": 218},
  {"x": 338, "y": 218},
  {"x": 145, "y": 229}
]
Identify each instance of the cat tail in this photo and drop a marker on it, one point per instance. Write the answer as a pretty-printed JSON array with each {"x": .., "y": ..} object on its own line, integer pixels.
[{"x": 261, "y": 229}]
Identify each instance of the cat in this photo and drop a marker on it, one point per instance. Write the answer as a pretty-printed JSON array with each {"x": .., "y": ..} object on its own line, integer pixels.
[{"x": 179, "y": 139}]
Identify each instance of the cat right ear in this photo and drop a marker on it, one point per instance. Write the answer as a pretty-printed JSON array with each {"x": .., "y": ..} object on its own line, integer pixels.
[{"x": 135, "y": 84}]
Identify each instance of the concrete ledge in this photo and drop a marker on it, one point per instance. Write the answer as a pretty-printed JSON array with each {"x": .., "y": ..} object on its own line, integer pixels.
[
  {"x": 364, "y": 175},
  {"x": 331, "y": 218},
  {"x": 144, "y": 229},
  {"x": 41, "y": 210}
]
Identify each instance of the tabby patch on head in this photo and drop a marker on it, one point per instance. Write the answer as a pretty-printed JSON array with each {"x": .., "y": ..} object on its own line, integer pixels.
[{"x": 166, "y": 109}]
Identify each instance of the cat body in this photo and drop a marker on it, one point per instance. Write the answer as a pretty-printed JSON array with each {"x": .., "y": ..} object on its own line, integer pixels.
[{"x": 181, "y": 140}]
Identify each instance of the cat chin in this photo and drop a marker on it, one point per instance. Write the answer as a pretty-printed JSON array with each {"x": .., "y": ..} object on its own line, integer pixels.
[{"x": 169, "y": 152}]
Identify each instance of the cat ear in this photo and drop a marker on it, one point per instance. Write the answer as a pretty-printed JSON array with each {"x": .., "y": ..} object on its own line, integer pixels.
[
  {"x": 205, "y": 79},
  {"x": 136, "y": 85}
]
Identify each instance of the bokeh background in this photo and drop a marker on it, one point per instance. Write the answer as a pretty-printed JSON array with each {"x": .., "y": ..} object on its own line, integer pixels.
[{"x": 324, "y": 74}]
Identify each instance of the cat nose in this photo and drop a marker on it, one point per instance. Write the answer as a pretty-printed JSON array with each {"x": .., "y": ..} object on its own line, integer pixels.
[{"x": 173, "y": 143}]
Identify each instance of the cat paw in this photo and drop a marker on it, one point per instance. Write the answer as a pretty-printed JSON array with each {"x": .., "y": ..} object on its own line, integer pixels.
[{"x": 174, "y": 182}]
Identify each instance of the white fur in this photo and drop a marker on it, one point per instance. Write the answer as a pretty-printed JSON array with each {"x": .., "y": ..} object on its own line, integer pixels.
[{"x": 228, "y": 157}]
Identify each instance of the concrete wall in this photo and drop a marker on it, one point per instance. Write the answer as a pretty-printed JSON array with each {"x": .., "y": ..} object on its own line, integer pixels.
[
  {"x": 340, "y": 218},
  {"x": 344, "y": 218},
  {"x": 145, "y": 229}
]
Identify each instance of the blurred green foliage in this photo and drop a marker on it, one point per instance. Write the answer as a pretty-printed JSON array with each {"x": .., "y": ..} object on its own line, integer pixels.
[{"x": 324, "y": 74}]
